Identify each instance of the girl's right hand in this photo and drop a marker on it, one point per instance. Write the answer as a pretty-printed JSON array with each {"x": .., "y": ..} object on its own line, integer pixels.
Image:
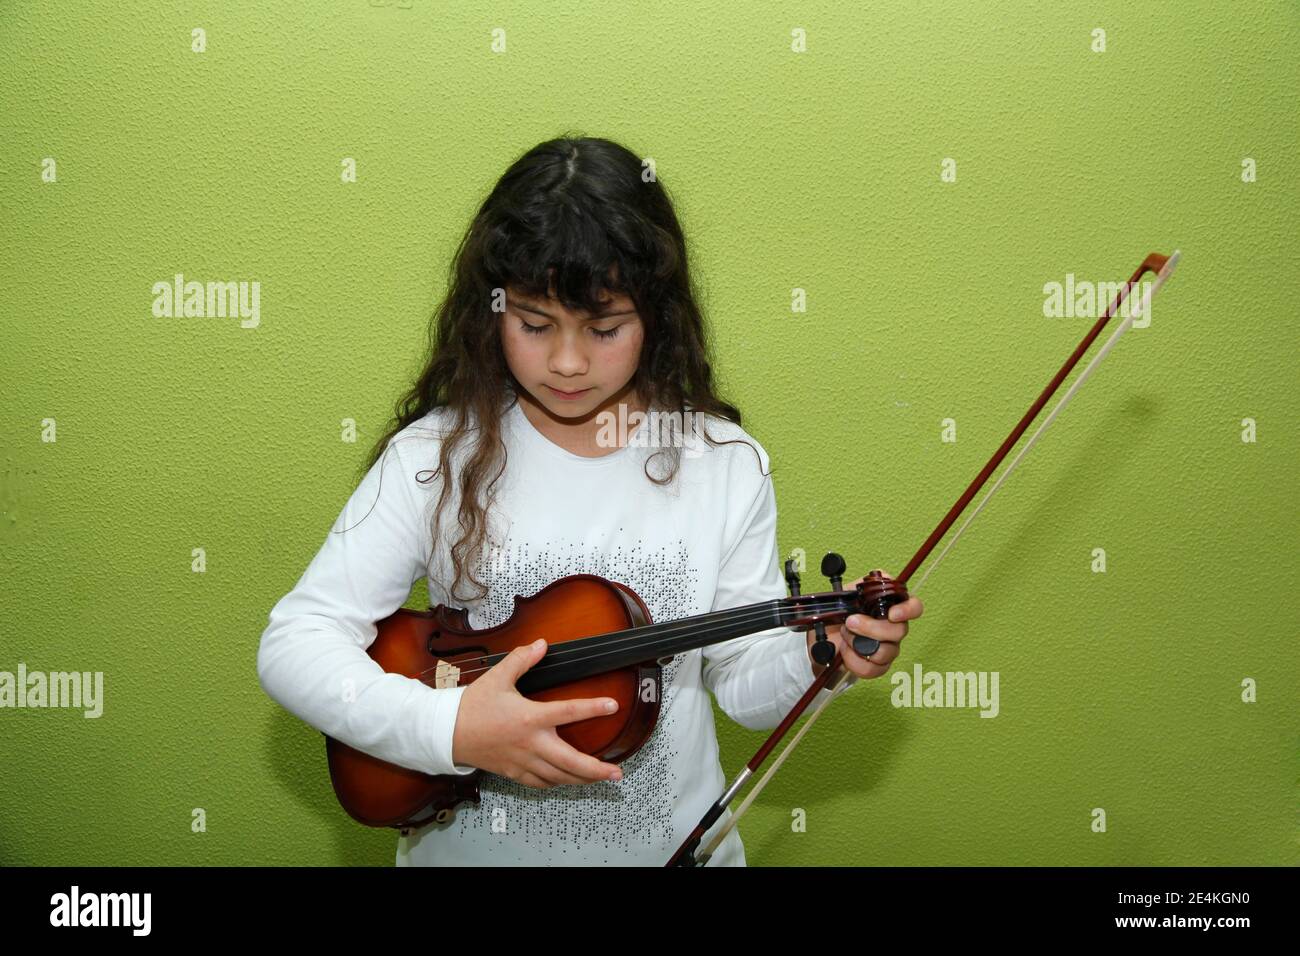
[{"x": 501, "y": 731}]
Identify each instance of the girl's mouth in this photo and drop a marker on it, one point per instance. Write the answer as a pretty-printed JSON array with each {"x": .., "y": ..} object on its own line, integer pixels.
[{"x": 561, "y": 394}]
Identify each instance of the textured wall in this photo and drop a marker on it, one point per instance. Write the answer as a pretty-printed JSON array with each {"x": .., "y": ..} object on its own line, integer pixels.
[{"x": 818, "y": 170}]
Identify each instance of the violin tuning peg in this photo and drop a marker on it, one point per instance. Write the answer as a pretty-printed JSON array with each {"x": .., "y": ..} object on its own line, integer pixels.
[
  {"x": 823, "y": 651},
  {"x": 833, "y": 567},
  {"x": 792, "y": 578}
]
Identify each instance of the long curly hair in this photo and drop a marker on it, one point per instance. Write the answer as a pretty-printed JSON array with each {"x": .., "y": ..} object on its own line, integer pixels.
[{"x": 590, "y": 217}]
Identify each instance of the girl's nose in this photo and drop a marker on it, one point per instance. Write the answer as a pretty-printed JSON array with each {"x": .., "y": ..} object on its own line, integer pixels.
[{"x": 568, "y": 357}]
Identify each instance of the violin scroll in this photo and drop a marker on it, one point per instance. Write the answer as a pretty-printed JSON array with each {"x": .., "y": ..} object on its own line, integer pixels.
[{"x": 876, "y": 595}]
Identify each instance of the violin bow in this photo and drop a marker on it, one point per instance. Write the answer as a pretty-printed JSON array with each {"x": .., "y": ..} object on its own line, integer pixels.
[{"x": 689, "y": 854}]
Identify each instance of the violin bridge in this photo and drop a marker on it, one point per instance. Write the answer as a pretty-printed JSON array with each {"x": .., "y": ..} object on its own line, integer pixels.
[{"x": 446, "y": 675}]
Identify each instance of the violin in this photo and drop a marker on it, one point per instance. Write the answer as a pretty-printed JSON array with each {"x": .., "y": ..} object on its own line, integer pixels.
[{"x": 602, "y": 643}]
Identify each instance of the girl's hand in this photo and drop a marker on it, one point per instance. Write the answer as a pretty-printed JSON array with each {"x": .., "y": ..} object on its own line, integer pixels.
[
  {"x": 501, "y": 731},
  {"x": 888, "y": 633}
]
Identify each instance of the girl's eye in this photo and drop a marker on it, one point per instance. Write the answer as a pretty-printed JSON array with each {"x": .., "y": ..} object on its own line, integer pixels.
[{"x": 539, "y": 329}]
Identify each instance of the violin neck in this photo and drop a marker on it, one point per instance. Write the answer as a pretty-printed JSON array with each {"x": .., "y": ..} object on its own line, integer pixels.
[{"x": 588, "y": 656}]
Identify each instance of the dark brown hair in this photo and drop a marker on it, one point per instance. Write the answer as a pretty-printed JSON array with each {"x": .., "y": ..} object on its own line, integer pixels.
[{"x": 585, "y": 217}]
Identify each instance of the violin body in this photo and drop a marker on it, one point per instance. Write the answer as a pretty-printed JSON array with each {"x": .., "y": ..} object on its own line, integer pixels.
[{"x": 439, "y": 648}]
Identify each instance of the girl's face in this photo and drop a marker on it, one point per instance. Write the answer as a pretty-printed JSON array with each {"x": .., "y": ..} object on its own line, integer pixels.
[{"x": 554, "y": 353}]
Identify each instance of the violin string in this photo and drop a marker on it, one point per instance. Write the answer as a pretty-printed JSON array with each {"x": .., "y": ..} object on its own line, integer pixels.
[
  {"x": 615, "y": 646},
  {"x": 557, "y": 654},
  {"x": 827, "y": 601},
  {"x": 565, "y": 654},
  {"x": 597, "y": 645},
  {"x": 1082, "y": 377}
]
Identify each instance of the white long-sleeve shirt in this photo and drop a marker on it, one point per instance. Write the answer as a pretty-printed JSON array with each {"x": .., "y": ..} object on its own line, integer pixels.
[{"x": 706, "y": 542}]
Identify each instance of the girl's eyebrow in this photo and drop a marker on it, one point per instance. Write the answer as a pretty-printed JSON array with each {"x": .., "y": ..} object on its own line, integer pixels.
[{"x": 527, "y": 307}]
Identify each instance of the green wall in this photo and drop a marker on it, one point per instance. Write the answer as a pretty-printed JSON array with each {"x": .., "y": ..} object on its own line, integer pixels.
[{"x": 817, "y": 170}]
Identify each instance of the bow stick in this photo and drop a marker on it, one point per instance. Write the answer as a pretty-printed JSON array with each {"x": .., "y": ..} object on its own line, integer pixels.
[{"x": 834, "y": 675}]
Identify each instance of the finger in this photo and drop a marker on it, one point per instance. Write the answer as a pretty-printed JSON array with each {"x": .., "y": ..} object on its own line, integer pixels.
[
  {"x": 882, "y": 656},
  {"x": 515, "y": 664},
  {"x": 566, "y": 759},
  {"x": 872, "y": 665},
  {"x": 907, "y": 610},
  {"x": 553, "y": 776},
  {"x": 868, "y": 626},
  {"x": 556, "y": 712},
  {"x": 532, "y": 780},
  {"x": 868, "y": 670}
]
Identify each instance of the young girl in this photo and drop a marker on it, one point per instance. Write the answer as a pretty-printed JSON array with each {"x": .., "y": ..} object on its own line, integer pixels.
[{"x": 570, "y": 309}]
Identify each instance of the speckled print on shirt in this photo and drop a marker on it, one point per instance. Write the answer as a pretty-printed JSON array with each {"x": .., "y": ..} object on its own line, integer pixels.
[{"x": 638, "y": 809}]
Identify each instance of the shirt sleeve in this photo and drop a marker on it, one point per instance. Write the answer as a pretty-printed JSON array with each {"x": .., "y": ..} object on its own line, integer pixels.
[
  {"x": 758, "y": 678},
  {"x": 312, "y": 658}
]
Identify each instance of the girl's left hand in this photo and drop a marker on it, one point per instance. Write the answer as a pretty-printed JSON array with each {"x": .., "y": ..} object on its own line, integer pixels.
[{"x": 888, "y": 633}]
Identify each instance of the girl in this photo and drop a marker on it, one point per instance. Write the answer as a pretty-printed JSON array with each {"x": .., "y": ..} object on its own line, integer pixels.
[{"x": 569, "y": 309}]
